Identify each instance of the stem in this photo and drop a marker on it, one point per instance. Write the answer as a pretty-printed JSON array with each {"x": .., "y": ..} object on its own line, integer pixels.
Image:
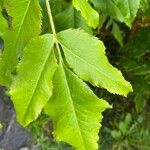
[
  {"x": 50, "y": 16},
  {"x": 51, "y": 21}
]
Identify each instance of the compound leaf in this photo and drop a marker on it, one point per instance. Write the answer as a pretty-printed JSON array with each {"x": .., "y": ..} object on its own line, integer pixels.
[
  {"x": 86, "y": 56},
  {"x": 90, "y": 15},
  {"x": 26, "y": 24},
  {"x": 32, "y": 86},
  {"x": 75, "y": 110}
]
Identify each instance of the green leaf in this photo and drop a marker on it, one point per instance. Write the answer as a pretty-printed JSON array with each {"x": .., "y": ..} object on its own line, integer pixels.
[
  {"x": 75, "y": 20},
  {"x": 140, "y": 101},
  {"x": 56, "y": 6},
  {"x": 121, "y": 10},
  {"x": 3, "y": 23},
  {"x": 26, "y": 24},
  {"x": 86, "y": 56},
  {"x": 118, "y": 34},
  {"x": 116, "y": 134},
  {"x": 147, "y": 78},
  {"x": 139, "y": 45},
  {"x": 144, "y": 5},
  {"x": 110, "y": 8},
  {"x": 32, "y": 87},
  {"x": 75, "y": 110},
  {"x": 132, "y": 6},
  {"x": 96, "y": 3},
  {"x": 90, "y": 15}
]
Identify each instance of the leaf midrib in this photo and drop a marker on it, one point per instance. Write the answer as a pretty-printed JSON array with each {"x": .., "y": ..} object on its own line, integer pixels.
[
  {"x": 72, "y": 105},
  {"x": 24, "y": 17}
]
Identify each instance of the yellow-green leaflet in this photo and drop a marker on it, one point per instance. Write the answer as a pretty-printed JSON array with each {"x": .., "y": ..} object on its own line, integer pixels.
[
  {"x": 26, "y": 24},
  {"x": 75, "y": 110},
  {"x": 32, "y": 87},
  {"x": 91, "y": 16},
  {"x": 86, "y": 56}
]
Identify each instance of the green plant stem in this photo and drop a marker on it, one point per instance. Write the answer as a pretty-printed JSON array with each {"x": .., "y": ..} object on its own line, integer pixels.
[
  {"x": 52, "y": 26},
  {"x": 50, "y": 17}
]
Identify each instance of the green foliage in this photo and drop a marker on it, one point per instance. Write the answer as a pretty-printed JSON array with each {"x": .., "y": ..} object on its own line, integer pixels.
[
  {"x": 123, "y": 11},
  {"x": 75, "y": 20},
  {"x": 134, "y": 59},
  {"x": 45, "y": 70},
  {"x": 90, "y": 15},
  {"x": 41, "y": 131},
  {"x": 113, "y": 11},
  {"x": 23, "y": 18},
  {"x": 131, "y": 134},
  {"x": 123, "y": 127},
  {"x": 136, "y": 63},
  {"x": 118, "y": 34}
]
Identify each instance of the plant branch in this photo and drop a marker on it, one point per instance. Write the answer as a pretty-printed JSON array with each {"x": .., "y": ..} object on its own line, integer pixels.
[{"x": 50, "y": 16}]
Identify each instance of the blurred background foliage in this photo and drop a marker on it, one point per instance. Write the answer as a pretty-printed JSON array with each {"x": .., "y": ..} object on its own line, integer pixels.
[{"x": 125, "y": 30}]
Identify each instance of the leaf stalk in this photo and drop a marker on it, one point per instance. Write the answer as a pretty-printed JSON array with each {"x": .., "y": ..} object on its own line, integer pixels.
[
  {"x": 50, "y": 17},
  {"x": 51, "y": 21}
]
